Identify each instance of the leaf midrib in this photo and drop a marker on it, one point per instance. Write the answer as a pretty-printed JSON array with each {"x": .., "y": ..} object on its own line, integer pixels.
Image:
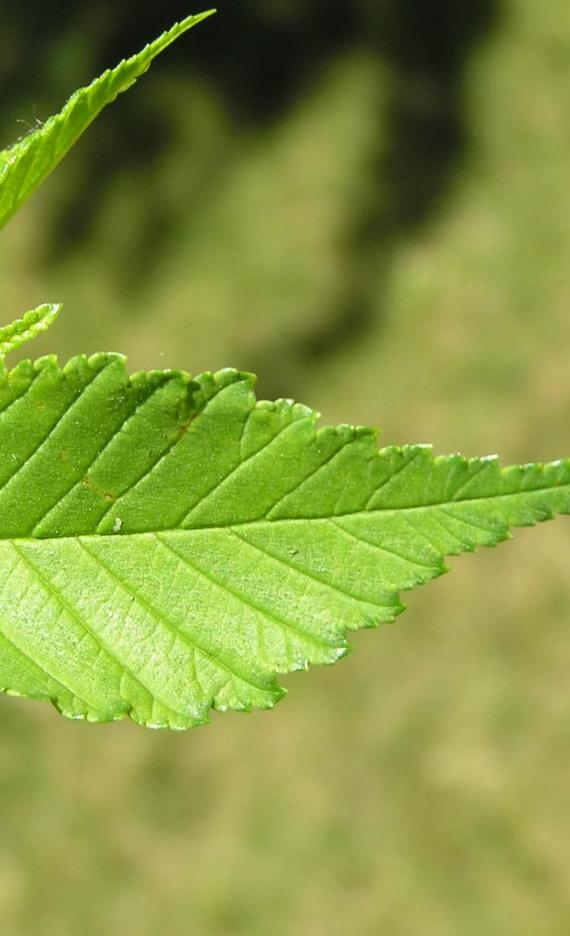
[{"x": 266, "y": 521}]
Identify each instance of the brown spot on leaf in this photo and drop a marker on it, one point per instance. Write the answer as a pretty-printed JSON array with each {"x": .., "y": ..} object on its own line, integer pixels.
[
  {"x": 89, "y": 485},
  {"x": 184, "y": 427}
]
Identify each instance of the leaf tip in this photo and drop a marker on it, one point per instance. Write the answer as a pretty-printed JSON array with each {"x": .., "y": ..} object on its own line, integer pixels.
[{"x": 31, "y": 324}]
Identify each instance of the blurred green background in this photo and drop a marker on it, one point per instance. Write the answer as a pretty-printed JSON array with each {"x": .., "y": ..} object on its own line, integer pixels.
[{"x": 368, "y": 205}]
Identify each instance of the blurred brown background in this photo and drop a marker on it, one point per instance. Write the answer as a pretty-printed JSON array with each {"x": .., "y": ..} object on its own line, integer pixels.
[{"x": 368, "y": 205}]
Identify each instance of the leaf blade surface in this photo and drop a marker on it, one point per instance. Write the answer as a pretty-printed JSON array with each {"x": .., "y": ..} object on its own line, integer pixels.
[{"x": 169, "y": 545}]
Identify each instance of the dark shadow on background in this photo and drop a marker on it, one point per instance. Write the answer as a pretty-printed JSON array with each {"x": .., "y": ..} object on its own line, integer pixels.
[
  {"x": 261, "y": 59},
  {"x": 426, "y": 48}
]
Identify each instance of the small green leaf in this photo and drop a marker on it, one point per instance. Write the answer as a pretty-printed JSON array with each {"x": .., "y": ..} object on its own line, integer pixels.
[
  {"x": 169, "y": 545},
  {"x": 31, "y": 324},
  {"x": 25, "y": 165}
]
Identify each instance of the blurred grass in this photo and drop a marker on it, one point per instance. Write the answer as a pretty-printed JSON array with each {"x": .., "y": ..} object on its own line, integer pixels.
[{"x": 420, "y": 786}]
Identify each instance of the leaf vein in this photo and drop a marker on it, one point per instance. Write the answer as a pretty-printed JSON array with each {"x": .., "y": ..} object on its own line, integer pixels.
[
  {"x": 41, "y": 665},
  {"x": 65, "y": 605},
  {"x": 20, "y": 395},
  {"x": 302, "y": 481},
  {"x": 384, "y": 549},
  {"x": 99, "y": 454},
  {"x": 246, "y": 600},
  {"x": 310, "y": 575},
  {"x": 391, "y": 478},
  {"x": 169, "y": 450},
  {"x": 52, "y": 429},
  {"x": 159, "y": 615},
  {"x": 219, "y": 484}
]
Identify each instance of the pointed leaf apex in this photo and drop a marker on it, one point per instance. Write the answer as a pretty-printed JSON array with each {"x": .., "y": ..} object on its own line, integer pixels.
[{"x": 33, "y": 323}]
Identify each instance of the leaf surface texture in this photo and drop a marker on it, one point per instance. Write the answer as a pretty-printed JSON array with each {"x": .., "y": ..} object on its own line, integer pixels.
[{"x": 169, "y": 545}]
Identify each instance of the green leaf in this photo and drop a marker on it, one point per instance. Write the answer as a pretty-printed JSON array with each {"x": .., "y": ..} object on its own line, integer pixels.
[
  {"x": 25, "y": 165},
  {"x": 169, "y": 545},
  {"x": 31, "y": 324}
]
